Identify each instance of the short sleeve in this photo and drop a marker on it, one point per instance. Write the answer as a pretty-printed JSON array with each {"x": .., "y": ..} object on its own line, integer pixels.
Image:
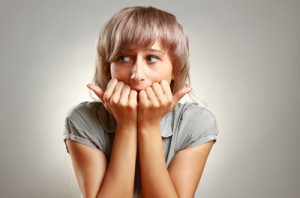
[
  {"x": 77, "y": 129},
  {"x": 197, "y": 126}
]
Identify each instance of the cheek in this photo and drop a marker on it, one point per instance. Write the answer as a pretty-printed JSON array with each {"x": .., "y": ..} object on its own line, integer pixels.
[
  {"x": 113, "y": 71},
  {"x": 169, "y": 74},
  {"x": 119, "y": 73},
  {"x": 161, "y": 75},
  {"x": 169, "y": 77}
]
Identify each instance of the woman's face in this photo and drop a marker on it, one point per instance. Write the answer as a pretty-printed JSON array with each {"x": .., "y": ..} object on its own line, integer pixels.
[{"x": 140, "y": 68}]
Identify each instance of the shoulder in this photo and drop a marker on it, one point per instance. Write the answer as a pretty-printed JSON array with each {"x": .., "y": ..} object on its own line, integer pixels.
[
  {"x": 85, "y": 116},
  {"x": 84, "y": 109},
  {"x": 82, "y": 124},
  {"x": 93, "y": 114},
  {"x": 196, "y": 125},
  {"x": 193, "y": 114}
]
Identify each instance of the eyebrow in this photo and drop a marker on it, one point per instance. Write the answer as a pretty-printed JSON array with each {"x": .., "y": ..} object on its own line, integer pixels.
[
  {"x": 147, "y": 50},
  {"x": 155, "y": 50}
]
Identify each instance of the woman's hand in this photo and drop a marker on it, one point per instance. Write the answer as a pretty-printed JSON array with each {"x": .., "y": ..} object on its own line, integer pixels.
[
  {"x": 156, "y": 101},
  {"x": 120, "y": 100}
]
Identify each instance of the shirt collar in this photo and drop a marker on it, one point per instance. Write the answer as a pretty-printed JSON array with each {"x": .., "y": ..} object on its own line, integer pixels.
[{"x": 166, "y": 125}]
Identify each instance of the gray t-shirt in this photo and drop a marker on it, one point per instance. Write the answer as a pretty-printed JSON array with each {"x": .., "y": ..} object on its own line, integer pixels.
[{"x": 187, "y": 125}]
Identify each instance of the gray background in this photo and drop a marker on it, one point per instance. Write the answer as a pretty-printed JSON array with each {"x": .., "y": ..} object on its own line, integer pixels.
[{"x": 245, "y": 58}]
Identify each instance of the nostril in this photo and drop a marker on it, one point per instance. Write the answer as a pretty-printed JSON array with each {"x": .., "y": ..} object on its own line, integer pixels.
[
  {"x": 136, "y": 77},
  {"x": 137, "y": 74}
]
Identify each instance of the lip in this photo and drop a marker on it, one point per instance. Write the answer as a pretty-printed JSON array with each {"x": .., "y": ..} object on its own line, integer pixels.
[{"x": 138, "y": 87}]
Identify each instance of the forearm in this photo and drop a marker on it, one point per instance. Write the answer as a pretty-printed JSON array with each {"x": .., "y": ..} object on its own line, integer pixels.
[
  {"x": 119, "y": 177},
  {"x": 156, "y": 181}
]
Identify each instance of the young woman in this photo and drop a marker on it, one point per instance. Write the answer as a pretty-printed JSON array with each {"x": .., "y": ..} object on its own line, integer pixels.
[{"x": 138, "y": 141}]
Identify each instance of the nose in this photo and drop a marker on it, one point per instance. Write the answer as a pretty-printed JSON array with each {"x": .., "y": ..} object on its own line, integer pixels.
[{"x": 137, "y": 73}]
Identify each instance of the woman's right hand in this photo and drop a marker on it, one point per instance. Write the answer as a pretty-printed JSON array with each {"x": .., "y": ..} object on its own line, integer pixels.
[{"x": 120, "y": 100}]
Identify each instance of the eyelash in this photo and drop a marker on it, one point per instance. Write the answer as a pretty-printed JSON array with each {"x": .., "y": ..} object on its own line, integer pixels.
[
  {"x": 151, "y": 56},
  {"x": 148, "y": 59},
  {"x": 122, "y": 57}
]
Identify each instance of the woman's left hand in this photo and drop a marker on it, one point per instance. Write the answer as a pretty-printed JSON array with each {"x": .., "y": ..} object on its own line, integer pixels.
[{"x": 156, "y": 101}]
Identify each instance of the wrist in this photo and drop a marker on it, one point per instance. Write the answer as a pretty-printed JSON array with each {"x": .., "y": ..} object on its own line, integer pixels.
[
  {"x": 127, "y": 126},
  {"x": 148, "y": 122},
  {"x": 146, "y": 128}
]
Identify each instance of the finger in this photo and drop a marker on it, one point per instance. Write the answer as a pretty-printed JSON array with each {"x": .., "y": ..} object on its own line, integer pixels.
[
  {"x": 132, "y": 98},
  {"x": 151, "y": 96},
  {"x": 179, "y": 94},
  {"x": 166, "y": 89},
  {"x": 117, "y": 93},
  {"x": 125, "y": 95},
  {"x": 158, "y": 91},
  {"x": 110, "y": 89},
  {"x": 97, "y": 90},
  {"x": 143, "y": 99}
]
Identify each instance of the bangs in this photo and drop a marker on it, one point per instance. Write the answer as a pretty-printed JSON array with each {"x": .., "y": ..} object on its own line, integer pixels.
[
  {"x": 141, "y": 29},
  {"x": 136, "y": 28}
]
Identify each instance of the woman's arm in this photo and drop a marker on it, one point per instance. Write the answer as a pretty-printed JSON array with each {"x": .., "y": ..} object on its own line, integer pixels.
[
  {"x": 89, "y": 165},
  {"x": 119, "y": 177},
  {"x": 184, "y": 173},
  {"x": 187, "y": 167},
  {"x": 96, "y": 176},
  {"x": 156, "y": 181}
]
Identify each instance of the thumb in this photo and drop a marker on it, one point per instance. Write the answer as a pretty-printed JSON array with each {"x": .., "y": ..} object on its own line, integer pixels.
[
  {"x": 179, "y": 94},
  {"x": 97, "y": 90}
]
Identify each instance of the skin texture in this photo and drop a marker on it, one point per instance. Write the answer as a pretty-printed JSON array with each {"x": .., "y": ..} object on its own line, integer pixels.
[
  {"x": 141, "y": 68},
  {"x": 139, "y": 96}
]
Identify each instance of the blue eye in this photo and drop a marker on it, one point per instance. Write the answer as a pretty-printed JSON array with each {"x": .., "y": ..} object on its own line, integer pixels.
[
  {"x": 124, "y": 58},
  {"x": 151, "y": 59}
]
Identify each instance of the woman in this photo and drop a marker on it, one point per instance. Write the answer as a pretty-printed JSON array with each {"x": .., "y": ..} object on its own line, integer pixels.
[{"x": 138, "y": 141}]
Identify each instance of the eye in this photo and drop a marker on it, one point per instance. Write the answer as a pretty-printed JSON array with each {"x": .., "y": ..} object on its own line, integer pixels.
[
  {"x": 151, "y": 59},
  {"x": 124, "y": 58}
]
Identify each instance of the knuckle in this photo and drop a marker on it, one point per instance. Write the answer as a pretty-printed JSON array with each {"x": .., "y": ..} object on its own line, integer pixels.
[
  {"x": 145, "y": 105},
  {"x": 114, "y": 80},
  {"x": 148, "y": 89},
  {"x": 132, "y": 105},
  {"x": 164, "y": 82},
  {"x": 126, "y": 86},
  {"x": 114, "y": 100},
  {"x": 162, "y": 100},
  {"x": 122, "y": 104},
  {"x": 106, "y": 98},
  {"x": 156, "y": 106},
  {"x": 169, "y": 97},
  {"x": 133, "y": 92},
  {"x": 155, "y": 84},
  {"x": 120, "y": 83}
]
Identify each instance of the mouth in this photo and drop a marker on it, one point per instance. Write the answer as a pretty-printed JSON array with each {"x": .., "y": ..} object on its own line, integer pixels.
[{"x": 136, "y": 89}]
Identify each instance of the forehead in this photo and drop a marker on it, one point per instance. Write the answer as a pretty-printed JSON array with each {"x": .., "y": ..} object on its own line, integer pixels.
[{"x": 155, "y": 46}]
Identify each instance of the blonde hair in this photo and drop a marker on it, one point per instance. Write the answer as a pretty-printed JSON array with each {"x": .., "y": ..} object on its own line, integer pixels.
[{"x": 142, "y": 26}]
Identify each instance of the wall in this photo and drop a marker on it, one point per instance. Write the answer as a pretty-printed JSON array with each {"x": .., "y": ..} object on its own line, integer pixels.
[{"x": 245, "y": 65}]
